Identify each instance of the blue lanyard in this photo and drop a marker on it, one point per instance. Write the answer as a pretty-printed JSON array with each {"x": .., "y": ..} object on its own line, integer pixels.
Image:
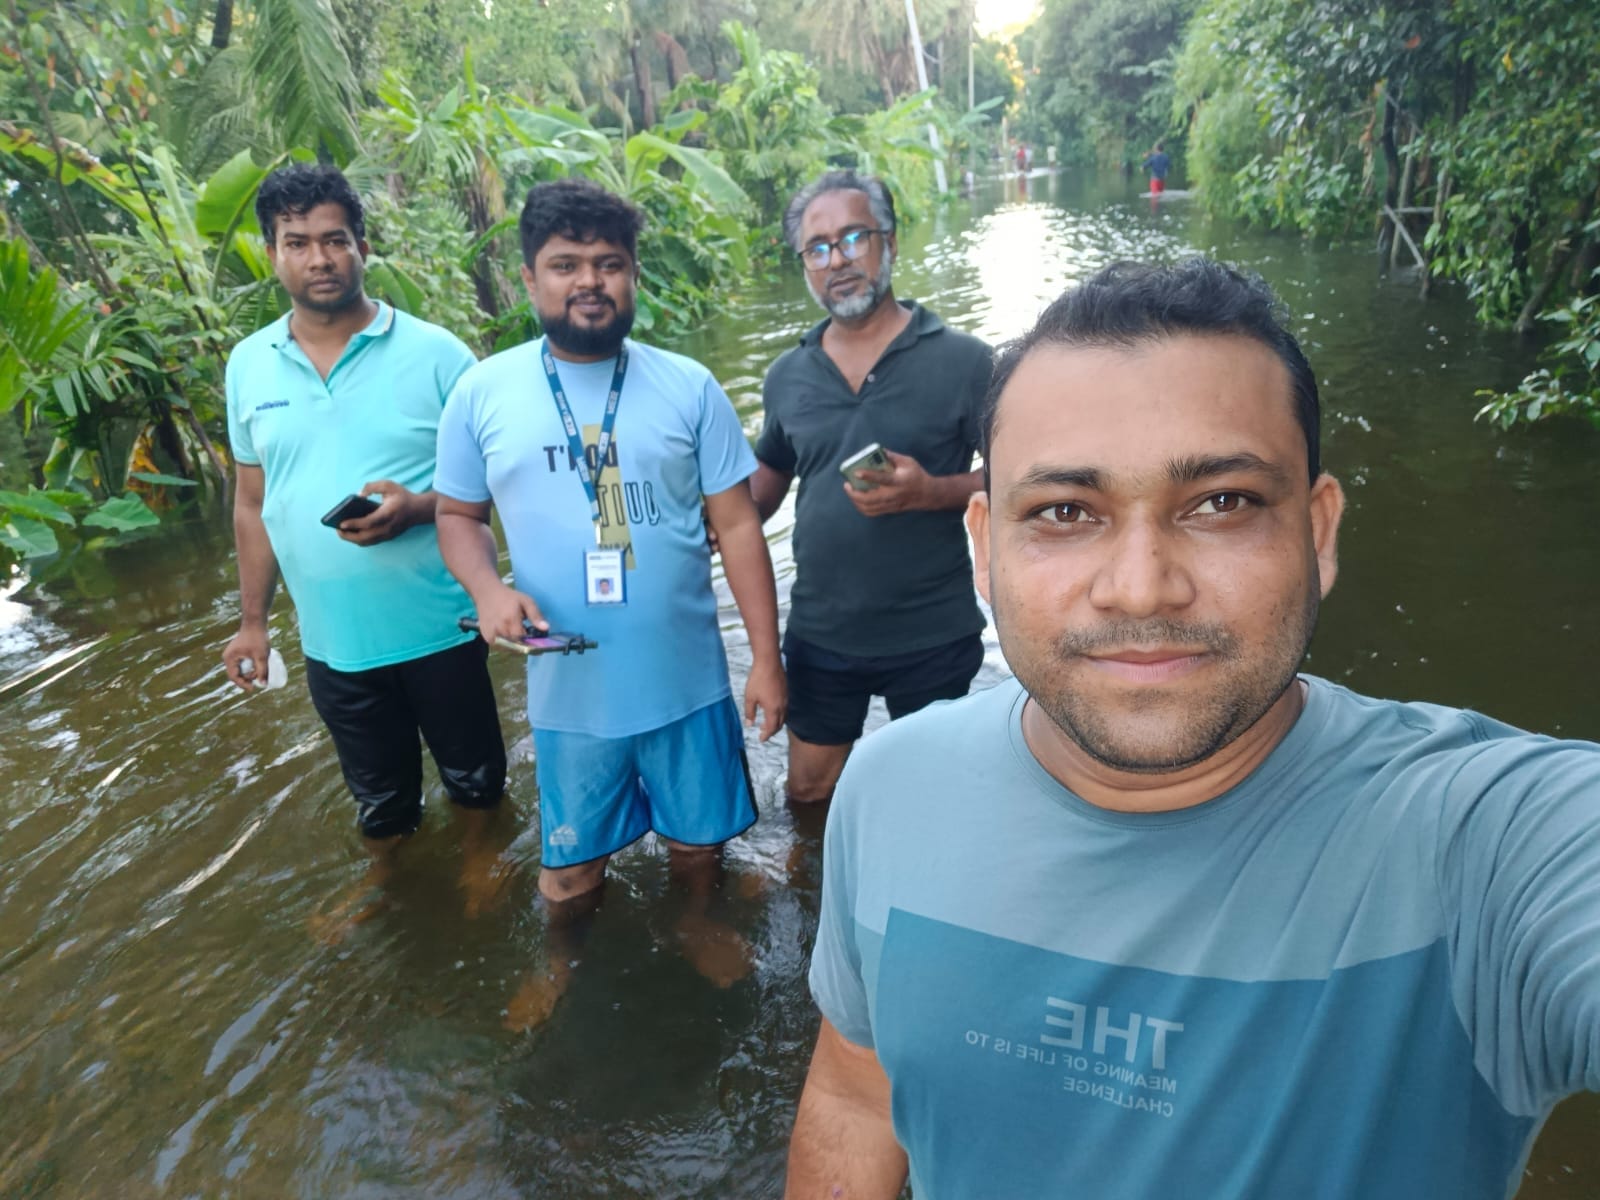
[{"x": 589, "y": 479}]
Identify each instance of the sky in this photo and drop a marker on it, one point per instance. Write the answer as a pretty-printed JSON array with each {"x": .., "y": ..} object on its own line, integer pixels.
[{"x": 995, "y": 15}]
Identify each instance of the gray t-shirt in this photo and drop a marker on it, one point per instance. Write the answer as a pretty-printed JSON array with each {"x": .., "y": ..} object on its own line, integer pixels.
[
  {"x": 878, "y": 585},
  {"x": 1366, "y": 972}
]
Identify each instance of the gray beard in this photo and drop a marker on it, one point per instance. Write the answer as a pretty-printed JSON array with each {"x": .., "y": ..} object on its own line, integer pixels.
[{"x": 853, "y": 307}]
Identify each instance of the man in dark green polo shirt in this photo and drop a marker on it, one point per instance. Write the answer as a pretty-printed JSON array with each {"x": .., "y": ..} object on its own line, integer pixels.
[{"x": 883, "y": 601}]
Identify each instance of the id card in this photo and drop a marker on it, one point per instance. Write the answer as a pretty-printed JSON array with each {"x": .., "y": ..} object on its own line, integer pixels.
[{"x": 604, "y": 579}]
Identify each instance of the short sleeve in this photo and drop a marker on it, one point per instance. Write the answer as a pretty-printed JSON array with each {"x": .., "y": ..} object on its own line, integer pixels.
[
  {"x": 461, "y": 471},
  {"x": 772, "y": 444},
  {"x": 1519, "y": 879},
  {"x": 239, "y": 441},
  {"x": 724, "y": 454},
  {"x": 455, "y": 360},
  {"x": 977, "y": 389},
  {"x": 837, "y": 982}
]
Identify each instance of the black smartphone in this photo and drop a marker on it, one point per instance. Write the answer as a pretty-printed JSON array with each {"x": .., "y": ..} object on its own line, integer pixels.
[{"x": 348, "y": 509}]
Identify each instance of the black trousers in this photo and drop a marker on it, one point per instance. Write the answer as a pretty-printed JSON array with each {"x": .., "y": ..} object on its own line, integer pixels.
[{"x": 375, "y": 716}]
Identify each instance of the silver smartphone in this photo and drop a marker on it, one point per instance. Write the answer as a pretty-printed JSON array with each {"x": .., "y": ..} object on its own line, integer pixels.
[{"x": 869, "y": 458}]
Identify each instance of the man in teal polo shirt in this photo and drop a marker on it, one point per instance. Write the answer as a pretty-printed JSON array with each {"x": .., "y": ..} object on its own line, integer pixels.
[{"x": 343, "y": 396}]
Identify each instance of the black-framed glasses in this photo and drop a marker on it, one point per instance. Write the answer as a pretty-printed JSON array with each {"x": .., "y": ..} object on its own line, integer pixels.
[{"x": 851, "y": 247}]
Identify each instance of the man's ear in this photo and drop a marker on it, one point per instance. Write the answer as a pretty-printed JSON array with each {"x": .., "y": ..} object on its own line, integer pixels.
[
  {"x": 1327, "y": 510},
  {"x": 527, "y": 281},
  {"x": 363, "y": 249},
  {"x": 978, "y": 528}
]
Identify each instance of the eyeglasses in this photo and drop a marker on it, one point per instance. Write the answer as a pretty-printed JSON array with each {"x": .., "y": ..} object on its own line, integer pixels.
[{"x": 851, "y": 247}]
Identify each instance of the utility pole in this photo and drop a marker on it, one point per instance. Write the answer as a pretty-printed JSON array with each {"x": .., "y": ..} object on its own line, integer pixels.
[
  {"x": 922, "y": 86},
  {"x": 972, "y": 38}
]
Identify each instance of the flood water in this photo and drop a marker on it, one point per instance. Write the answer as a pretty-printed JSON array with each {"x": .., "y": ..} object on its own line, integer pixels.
[{"x": 170, "y": 1025}]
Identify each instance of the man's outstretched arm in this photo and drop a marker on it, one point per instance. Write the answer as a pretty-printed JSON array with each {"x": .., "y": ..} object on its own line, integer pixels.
[{"x": 843, "y": 1146}]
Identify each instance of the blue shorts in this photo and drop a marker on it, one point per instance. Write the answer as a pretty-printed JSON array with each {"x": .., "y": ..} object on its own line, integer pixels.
[{"x": 688, "y": 781}]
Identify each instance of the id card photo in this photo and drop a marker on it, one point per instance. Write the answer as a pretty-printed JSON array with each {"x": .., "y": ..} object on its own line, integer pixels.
[{"x": 605, "y": 580}]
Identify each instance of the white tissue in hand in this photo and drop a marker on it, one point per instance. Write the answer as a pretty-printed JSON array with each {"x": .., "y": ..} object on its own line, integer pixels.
[{"x": 277, "y": 672}]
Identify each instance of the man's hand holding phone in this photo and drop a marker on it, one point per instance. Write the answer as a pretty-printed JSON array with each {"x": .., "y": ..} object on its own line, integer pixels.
[
  {"x": 904, "y": 487},
  {"x": 501, "y": 614},
  {"x": 399, "y": 510}
]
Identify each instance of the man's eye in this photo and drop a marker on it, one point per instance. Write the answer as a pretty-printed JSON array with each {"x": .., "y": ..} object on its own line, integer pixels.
[
  {"x": 1064, "y": 514},
  {"x": 1222, "y": 502}
]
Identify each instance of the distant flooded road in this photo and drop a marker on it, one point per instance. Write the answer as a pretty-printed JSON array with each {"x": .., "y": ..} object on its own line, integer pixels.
[{"x": 172, "y": 1026}]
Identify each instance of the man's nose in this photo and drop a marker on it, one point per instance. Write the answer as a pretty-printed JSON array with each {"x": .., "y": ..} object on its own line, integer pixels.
[{"x": 1143, "y": 573}]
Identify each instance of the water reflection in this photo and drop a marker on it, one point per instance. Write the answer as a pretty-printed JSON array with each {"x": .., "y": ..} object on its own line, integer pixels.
[{"x": 170, "y": 1027}]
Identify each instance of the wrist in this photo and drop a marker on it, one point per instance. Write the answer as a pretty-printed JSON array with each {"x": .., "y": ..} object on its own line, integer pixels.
[{"x": 252, "y": 623}]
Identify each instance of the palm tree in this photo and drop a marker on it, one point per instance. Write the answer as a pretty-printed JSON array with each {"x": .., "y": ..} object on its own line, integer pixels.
[{"x": 286, "y": 81}]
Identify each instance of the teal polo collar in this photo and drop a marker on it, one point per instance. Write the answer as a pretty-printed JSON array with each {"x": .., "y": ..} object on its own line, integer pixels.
[{"x": 381, "y": 323}]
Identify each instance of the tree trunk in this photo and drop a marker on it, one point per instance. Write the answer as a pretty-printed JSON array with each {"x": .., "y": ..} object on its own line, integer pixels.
[
  {"x": 1561, "y": 253},
  {"x": 222, "y": 25},
  {"x": 641, "y": 82},
  {"x": 1391, "y": 165},
  {"x": 1584, "y": 267},
  {"x": 483, "y": 267}
]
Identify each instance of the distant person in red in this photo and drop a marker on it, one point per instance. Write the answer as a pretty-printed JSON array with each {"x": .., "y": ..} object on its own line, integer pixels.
[
  {"x": 1158, "y": 164},
  {"x": 1022, "y": 156}
]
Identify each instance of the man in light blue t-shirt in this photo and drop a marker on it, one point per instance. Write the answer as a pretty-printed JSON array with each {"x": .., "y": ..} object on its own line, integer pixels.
[
  {"x": 605, "y": 459},
  {"x": 1161, "y": 917},
  {"x": 342, "y": 397}
]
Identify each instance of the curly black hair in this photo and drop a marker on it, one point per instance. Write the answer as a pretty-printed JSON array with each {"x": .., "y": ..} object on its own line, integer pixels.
[
  {"x": 580, "y": 210},
  {"x": 297, "y": 189}
]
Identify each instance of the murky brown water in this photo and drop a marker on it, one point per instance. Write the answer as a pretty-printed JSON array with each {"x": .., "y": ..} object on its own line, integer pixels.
[{"x": 170, "y": 1027}]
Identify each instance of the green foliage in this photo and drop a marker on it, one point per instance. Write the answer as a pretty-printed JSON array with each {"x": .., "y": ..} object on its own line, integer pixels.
[
  {"x": 33, "y": 524},
  {"x": 1524, "y": 159},
  {"x": 768, "y": 122},
  {"x": 1570, "y": 387},
  {"x": 137, "y": 133},
  {"x": 1102, "y": 86},
  {"x": 1227, "y": 136},
  {"x": 1295, "y": 190},
  {"x": 1495, "y": 104}
]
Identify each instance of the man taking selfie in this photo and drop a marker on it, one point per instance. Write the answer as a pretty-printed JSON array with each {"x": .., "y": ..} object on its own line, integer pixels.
[{"x": 1163, "y": 917}]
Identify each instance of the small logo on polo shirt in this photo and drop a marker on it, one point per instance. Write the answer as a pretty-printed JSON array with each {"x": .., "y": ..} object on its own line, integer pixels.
[
  {"x": 563, "y": 835},
  {"x": 262, "y": 407}
]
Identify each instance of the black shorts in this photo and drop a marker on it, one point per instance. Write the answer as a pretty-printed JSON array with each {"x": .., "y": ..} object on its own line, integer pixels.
[
  {"x": 829, "y": 693},
  {"x": 374, "y": 717}
]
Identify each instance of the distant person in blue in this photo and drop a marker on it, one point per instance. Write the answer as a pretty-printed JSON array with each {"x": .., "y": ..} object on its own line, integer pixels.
[
  {"x": 602, "y": 455},
  {"x": 341, "y": 396},
  {"x": 1163, "y": 917},
  {"x": 1158, "y": 163}
]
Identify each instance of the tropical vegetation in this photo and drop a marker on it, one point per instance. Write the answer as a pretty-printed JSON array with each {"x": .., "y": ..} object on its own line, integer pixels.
[
  {"x": 137, "y": 131},
  {"x": 1461, "y": 136}
]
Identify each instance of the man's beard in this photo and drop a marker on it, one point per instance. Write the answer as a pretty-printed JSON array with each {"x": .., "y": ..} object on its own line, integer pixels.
[
  {"x": 332, "y": 304},
  {"x": 849, "y": 308},
  {"x": 589, "y": 341},
  {"x": 1194, "y": 732}
]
